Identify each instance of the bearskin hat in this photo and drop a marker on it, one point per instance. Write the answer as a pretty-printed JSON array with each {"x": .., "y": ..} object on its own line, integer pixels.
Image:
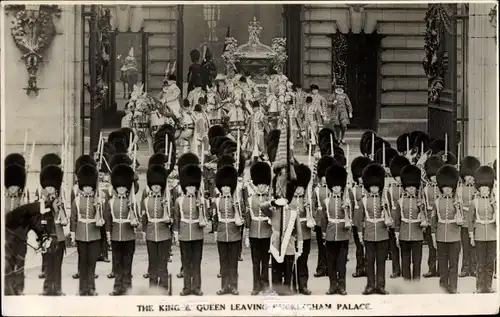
[
  {"x": 422, "y": 139},
  {"x": 117, "y": 159},
  {"x": 128, "y": 134},
  {"x": 397, "y": 165},
  {"x": 51, "y": 175},
  {"x": 411, "y": 176},
  {"x": 50, "y": 159},
  {"x": 451, "y": 158},
  {"x": 340, "y": 159},
  {"x": 314, "y": 87},
  {"x": 437, "y": 146},
  {"x": 225, "y": 160},
  {"x": 380, "y": 143},
  {"x": 15, "y": 175},
  {"x": 108, "y": 148},
  {"x": 323, "y": 164},
  {"x": 117, "y": 135},
  {"x": 165, "y": 129},
  {"x": 274, "y": 135},
  {"x": 374, "y": 175},
  {"x": 159, "y": 146},
  {"x": 432, "y": 165},
  {"x": 157, "y": 175},
  {"x": 401, "y": 144},
  {"x": 336, "y": 175},
  {"x": 390, "y": 153},
  {"x": 304, "y": 174},
  {"x": 87, "y": 176},
  {"x": 260, "y": 172},
  {"x": 495, "y": 167},
  {"x": 358, "y": 165},
  {"x": 157, "y": 159},
  {"x": 195, "y": 55},
  {"x": 226, "y": 176},
  {"x": 15, "y": 158},
  {"x": 413, "y": 137},
  {"x": 216, "y": 130},
  {"x": 120, "y": 146},
  {"x": 228, "y": 147},
  {"x": 325, "y": 133},
  {"x": 216, "y": 144},
  {"x": 468, "y": 166},
  {"x": 190, "y": 175},
  {"x": 365, "y": 143},
  {"x": 188, "y": 158},
  {"x": 447, "y": 176},
  {"x": 485, "y": 176},
  {"x": 83, "y": 160},
  {"x": 338, "y": 150},
  {"x": 122, "y": 175}
]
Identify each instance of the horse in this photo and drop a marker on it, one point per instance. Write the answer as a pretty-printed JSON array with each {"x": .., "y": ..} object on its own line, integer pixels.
[
  {"x": 129, "y": 78},
  {"x": 18, "y": 222}
]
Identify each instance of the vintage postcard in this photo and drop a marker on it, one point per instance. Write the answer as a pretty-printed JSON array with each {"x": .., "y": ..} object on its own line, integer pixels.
[{"x": 249, "y": 158}]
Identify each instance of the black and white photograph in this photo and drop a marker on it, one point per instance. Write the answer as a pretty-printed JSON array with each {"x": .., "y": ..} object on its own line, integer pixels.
[{"x": 249, "y": 158}]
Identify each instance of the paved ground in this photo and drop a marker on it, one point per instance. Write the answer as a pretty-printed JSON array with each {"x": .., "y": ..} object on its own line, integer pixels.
[{"x": 210, "y": 282}]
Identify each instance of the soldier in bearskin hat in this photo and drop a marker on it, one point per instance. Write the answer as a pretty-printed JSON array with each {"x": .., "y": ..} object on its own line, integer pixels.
[
  {"x": 85, "y": 227},
  {"x": 374, "y": 217},
  {"x": 300, "y": 203},
  {"x": 430, "y": 194},
  {"x": 447, "y": 220},
  {"x": 356, "y": 194},
  {"x": 336, "y": 221},
  {"x": 409, "y": 219},
  {"x": 320, "y": 193},
  {"x": 157, "y": 217},
  {"x": 483, "y": 227},
  {"x": 257, "y": 226},
  {"x": 189, "y": 221},
  {"x": 228, "y": 219},
  {"x": 121, "y": 219},
  {"x": 466, "y": 191},
  {"x": 394, "y": 192},
  {"x": 51, "y": 178}
]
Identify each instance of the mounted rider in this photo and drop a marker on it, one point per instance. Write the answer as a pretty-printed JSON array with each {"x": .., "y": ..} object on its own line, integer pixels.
[{"x": 170, "y": 93}]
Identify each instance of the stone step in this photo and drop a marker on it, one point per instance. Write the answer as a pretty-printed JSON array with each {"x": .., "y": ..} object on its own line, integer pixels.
[
  {"x": 401, "y": 55},
  {"x": 395, "y": 69},
  {"x": 404, "y": 111},
  {"x": 395, "y": 127},
  {"x": 402, "y": 83},
  {"x": 403, "y": 97}
]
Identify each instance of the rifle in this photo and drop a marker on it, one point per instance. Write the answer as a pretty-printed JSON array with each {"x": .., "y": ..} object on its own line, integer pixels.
[
  {"x": 310, "y": 219},
  {"x": 98, "y": 204},
  {"x": 201, "y": 192},
  {"x": 133, "y": 215}
]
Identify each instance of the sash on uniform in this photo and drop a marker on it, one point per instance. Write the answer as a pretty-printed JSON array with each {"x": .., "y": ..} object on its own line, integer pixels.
[{"x": 285, "y": 239}]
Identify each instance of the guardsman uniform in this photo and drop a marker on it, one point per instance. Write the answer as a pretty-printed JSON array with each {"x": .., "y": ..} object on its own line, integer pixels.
[
  {"x": 15, "y": 182},
  {"x": 52, "y": 176},
  {"x": 156, "y": 225},
  {"x": 258, "y": 226},
  {"x": 431, "y": 193},
  {"x": 300, "y": 202},
  {"x": 373, "y": 221},
  {"x": 121, "y": 219},
  {"x": 356, "y": 194},
  {"x": 409, "y": 222},
  {"x": 228, "y": 219},
  {"x": 466, "y": 192},
  {"x": 483, "y": 227},
  {"x": 85, "y": 222},
  {"x": 394, "y": 192},
  {"x": 320, "y": 193},
  {"x": 189, "y": 222},
  {"x": 336, "y": 223},
  {"x": 447, "y": 220}
]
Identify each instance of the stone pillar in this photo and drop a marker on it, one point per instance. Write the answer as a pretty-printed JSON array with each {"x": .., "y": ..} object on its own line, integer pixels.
[{"x": 482, "y": 84}]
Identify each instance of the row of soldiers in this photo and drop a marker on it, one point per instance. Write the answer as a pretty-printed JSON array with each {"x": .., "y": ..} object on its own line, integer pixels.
[{"x": 390, "y": 202}]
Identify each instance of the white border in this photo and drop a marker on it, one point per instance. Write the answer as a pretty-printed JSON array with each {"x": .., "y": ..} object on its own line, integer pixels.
[{"x": 374, "y": 305}]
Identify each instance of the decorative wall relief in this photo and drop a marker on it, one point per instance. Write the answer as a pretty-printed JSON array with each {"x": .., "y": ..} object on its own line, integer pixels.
[
  {"x": 33, "y": 30},
  {"x": 438, "y": 20},
  {"x": 339, "y": 59}
]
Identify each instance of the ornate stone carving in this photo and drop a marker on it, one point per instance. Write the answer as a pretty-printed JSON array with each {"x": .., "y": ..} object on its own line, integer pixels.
[
  {"x": 33, "y": 30},
  {"x": 339, "y": 59},
  {"x": 493, "y": 19},
  {"x": 438, "y": 20}
]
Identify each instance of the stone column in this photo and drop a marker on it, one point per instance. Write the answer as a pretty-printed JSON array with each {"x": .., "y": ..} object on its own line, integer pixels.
[{"x": 482, "y": 84}]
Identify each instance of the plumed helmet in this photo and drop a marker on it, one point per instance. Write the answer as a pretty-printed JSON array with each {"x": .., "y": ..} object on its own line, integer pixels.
[
  {"x": 374, "y": 175},
  {"x": 303, "y": 173},
  {"x": 468, "y": 166},
  {"x": 411, "y": 176},
  {"x": 451, "y": 158},
  {"x": 484, "y": 176},
  {"x": 227, "y": 175},
  {"x": 323, "y": 163},
  {"x": 432, "y": 165},
  {"x": 51, "y": 175},
  {"x": 225, "y": 160},
  {"x": 117, "y": 159},
  {"x": 15, "y": 158},
  {"x": 447, "y": 176},
  {"x": 216, "y": 130},
  {"x": 50, "y": 159},
  {"x": 358, "y": 165},
  {"x": 122, "y": 175},
  {"x": 397, "y": 165},
  {"x": 190, "y": 175},
  {"x": 83, "y": 160},
  {"x": 188, "y": 158},
  {"x": 87, "y": 176},
  {"x": 401, "y": 144},
  {"x": 260, "y": 172},
  {"x": 15, "y": 175},
  {"x": 437, "y": 146},
  {"x": 157, "y": 175},
  {"x": 157, "y": 159},
  {"x": 336, "y": 175}
]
